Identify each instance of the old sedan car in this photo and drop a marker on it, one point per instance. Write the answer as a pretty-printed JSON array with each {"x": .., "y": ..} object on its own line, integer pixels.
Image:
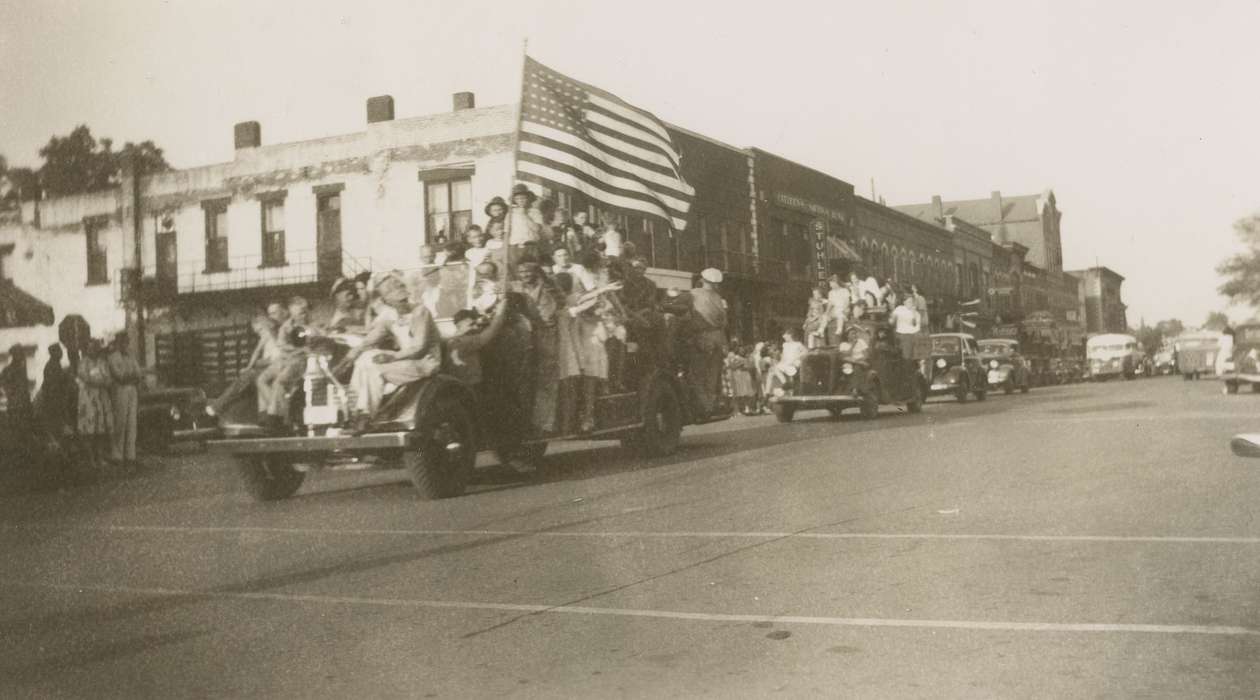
[
  {"x": 171, "y": 415},
  {"x": 955, "y": 367},
  {"x": 835, "y": 378},
  {"x": 1004, "y": 366}
]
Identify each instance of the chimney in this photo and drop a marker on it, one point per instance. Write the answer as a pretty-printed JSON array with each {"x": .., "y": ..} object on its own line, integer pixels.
[
  {"x": 247, "y": 135},
  {"x": 463, "y": 100},
  {"x": 380, "y": 109},
  {"x": 996, "y": 196},
  {"x": 938, "y": 206}
]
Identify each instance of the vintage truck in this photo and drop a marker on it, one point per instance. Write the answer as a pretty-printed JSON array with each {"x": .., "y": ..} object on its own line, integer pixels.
[
  {"x": 434, "y": 428},
  {"x": 835, "y": 379}
]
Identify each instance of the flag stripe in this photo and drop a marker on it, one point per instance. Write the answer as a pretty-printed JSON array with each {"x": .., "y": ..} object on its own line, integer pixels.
[
  {"x": 620, "y": 146},
  {"x": 638, "y": 166},
  {"x": 548, "y": 174},
  {"x": 616, "y": 106},
  {"x": 593, "y": 153},
  {"x": 575, "y": 170},
  {"x": 601, "y": 124},
  {"x": 599, "y": 172},
  {"x": 611, "y": 121}
]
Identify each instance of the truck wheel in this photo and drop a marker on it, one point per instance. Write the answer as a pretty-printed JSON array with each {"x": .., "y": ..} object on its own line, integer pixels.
[
  {"x": 268, "y": 477},
  {"x": 783, "y": 412},
  {"x": 835, "y": 412},
  {"x": 1023, "y": 388},
  {"x": 982, "y": 393},
  {"x": 915, "y": 404},
  {"x": 1008, "y": 386},
  {"x": 1231, "y": 387},
  {"x": 870, "y": 404},
  {"x": 662, "y": 424},
  {"x": 443, "y": 461}
]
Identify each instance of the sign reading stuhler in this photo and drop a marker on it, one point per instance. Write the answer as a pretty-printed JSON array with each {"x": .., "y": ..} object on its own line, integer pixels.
[{"x": 819, "y": 228}]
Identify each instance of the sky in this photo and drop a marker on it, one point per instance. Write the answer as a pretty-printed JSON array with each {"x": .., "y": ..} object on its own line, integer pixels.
[{"x": 1142, "y": 117}]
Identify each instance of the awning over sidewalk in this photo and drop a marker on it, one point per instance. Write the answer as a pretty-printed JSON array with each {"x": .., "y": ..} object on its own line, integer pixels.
[
  {"x": 839, "y": 249},
  {"x": 19, "y": 309}
]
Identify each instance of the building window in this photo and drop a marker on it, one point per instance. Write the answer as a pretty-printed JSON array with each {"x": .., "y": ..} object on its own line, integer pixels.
[
  {"x": 448, "y": 209},
  {"x": 216, "y": 237},
  {"x": 273, "y": 233},
  {"x": 97, "y": 257}
]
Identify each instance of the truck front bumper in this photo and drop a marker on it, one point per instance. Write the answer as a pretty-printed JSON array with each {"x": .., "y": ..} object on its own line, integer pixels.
[
  {"x": 296, "y": 445},
  {"x": 817, "y": 400}
]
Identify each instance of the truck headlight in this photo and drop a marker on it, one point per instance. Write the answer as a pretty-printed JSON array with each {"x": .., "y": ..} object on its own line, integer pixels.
[
  {"x": 846, "y": 368},
  {"x": 992, "y": 364},
  {"x": 176, "y": 414},
  {"x": 940, "y": 363},
  {"x": 778, "y": 391}
]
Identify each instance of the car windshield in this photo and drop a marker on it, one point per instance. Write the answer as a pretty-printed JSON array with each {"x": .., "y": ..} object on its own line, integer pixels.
[
  {"x": 947, "y": 345},
  {"x": 991, "y": 348}
]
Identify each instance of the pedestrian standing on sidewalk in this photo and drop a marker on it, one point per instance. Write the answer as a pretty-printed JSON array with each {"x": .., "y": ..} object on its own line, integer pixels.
[
  {"x": 96, "y": 410},
  {"x": 125, "y": 396}
]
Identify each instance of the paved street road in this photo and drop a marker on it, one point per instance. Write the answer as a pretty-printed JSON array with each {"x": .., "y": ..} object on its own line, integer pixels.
[{"x": 1091, "y": 540}]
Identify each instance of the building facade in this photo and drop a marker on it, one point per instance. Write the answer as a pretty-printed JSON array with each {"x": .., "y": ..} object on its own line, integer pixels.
[
  {"x": 909, "y": 251},
  {"x": 1105, "y": 311}
]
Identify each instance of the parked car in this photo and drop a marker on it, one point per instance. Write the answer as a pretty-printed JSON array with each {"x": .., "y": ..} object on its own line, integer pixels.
[
  {"x": 1004, "y": 365},
  {"x": 171, "y": 415},
  {"x": 955, "y": 367},
  {"x": 834, "y": 379}
]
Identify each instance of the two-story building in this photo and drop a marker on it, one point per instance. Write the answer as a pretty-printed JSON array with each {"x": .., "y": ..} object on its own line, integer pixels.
[{"x": 1105, "y": 311}]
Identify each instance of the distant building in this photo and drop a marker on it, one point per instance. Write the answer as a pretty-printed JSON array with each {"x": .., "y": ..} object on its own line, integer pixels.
[
  {"x": 1031, "y": 220},
  {"x": 1104, "y": 307}
]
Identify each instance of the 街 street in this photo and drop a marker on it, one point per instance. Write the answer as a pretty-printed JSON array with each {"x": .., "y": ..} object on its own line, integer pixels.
[{"x": 1084, "y": 540}]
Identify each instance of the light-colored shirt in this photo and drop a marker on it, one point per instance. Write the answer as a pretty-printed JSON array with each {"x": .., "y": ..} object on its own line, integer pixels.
[
  {"x": 838, "y": 300},
  {"x": 793, "y": 351},
  {"x": 905, "y": 320}
]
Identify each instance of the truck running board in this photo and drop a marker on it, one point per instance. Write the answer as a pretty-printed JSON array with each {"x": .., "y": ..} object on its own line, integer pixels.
[{"x": 371, "y": 441}]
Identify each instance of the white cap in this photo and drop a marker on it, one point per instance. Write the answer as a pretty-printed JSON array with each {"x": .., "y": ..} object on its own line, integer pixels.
[{"x": 711, "y": 275}]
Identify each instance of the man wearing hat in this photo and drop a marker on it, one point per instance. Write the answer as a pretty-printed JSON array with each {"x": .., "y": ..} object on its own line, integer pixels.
[
  {"x": 347, "y": 309},
  {"x": 525, "y": 222},
  {"x": 415, "y": 335},
  {"x": 708, "y": 340},
  {"x": 440, "y": 302}
]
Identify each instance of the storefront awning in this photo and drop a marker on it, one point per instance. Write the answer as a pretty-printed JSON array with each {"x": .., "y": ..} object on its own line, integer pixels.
[
  {"x": 839, "y": 249},
  {"x": 19, "y": 309}
]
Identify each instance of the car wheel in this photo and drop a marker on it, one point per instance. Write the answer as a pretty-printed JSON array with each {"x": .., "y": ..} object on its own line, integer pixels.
[
  {"x": 442, "y": 463},
  {"x": 783, "y": 412},
  {"x": 1023, "y": 388},
  {"x": 1008, "y": 386},
  {"x": 269, "y": 477},
  {"x": 963, "y": 391},
  {"x": 982, "y": 393},
  {"x": 1231, "y": 388},
  {"x": 835, "y": 412}
]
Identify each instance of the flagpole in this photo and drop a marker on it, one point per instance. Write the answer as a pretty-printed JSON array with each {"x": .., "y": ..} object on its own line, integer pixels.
[{"x": 516, "y": 147}]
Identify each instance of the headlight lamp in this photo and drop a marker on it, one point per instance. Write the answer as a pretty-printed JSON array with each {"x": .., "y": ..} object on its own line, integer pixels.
[
  {"x": 941, "y": 363},
  {"x": 175, "y": 413},
  {"x": 846, "y": 368},
  {"x": 992, "y": 364}
]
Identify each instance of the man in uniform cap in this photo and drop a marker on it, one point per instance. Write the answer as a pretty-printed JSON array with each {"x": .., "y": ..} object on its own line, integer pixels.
[
  {"x": 708, "y": 341},
  {"x": 347, "y": 310}
]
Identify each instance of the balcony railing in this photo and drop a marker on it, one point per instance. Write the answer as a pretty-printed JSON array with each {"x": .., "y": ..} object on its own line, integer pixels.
[{"x": 248, "y": 272}]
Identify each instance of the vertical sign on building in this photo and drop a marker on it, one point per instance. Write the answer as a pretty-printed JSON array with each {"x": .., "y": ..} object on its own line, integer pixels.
[{"x": 819, "y": 229}]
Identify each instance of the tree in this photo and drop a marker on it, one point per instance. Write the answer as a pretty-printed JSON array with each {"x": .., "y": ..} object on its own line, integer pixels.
[
  {"x": 16, "y": 184},
  {"x": 1242, "y": 271},
  {"x": 1170, "y": 328},
  {"x": 77, "y": 162},
  {"x": 1216, "y": 321}
]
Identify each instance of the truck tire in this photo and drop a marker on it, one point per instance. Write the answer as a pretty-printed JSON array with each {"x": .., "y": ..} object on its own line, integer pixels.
[
  {"x": 870, "y": 404},
  {"x": 1231, "y": 387},
  {"x": 783, "y": 412},
  {"x": 915, "y": 404},
  {"x": 444, "y": 459},
  {"x": 1023, "y": 388},
  {"x": 835, "y": 412},
  {"x": 662, "y": 424},
  {"x": 1008, "y": 386},
  {"x": 983, "y": 392},
  {"x": 269, "y": 477}
]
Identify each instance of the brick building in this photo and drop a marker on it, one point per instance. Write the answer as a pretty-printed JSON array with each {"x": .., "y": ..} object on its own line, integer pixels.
[{"x": 1105, "y": 312}]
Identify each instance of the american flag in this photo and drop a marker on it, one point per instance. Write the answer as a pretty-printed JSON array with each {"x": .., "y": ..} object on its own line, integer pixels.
[{"x": 575, "y": 136}]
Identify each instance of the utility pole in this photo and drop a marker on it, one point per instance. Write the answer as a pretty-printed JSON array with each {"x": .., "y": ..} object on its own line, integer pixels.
[{"x": 137, "y": 259}]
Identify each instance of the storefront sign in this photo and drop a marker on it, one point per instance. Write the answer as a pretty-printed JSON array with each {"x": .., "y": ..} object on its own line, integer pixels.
[
  {"x": 790, "y": 201},
  {"x": 819, "y": 229}
]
